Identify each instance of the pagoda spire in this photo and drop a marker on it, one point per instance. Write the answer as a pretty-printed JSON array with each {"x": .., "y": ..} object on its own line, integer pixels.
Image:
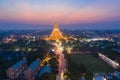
[
  {"x": 56, "y": 33},
  {"x": 56, "y": 25}
]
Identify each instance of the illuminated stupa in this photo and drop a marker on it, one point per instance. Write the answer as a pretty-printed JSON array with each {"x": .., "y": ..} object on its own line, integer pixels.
[{"x": 56, "y": 34}]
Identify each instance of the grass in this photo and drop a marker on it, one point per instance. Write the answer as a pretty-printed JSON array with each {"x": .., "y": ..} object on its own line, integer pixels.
[{"x": 92, "y": 63}]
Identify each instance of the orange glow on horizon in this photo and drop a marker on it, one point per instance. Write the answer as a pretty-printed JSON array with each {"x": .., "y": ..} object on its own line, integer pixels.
[{"x": 59, "y": 12}]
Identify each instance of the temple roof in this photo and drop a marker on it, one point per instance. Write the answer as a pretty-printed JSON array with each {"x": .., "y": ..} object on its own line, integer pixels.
[{"x": 56, "y": 33}]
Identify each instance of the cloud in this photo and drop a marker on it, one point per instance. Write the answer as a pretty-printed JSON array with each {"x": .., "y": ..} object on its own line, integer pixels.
[{"x": 46, "y": 11}]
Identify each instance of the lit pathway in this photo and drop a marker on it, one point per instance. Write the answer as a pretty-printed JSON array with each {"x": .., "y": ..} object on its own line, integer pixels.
[{"x": 62, "y": 64}]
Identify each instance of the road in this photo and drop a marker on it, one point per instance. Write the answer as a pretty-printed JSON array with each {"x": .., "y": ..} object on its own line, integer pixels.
[{"x": 62, "y": 64}]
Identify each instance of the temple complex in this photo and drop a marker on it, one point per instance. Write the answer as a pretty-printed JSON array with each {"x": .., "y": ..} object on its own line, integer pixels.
[{"x": 56, "y": 34}]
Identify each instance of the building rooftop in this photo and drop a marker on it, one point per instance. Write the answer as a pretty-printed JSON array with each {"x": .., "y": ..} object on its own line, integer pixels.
[
  {"x": 99, "y": 77},
  {"x": 34, "y": 65},
  {"x": 44, "y": 69},
  {"x": 19, "y": 64}
]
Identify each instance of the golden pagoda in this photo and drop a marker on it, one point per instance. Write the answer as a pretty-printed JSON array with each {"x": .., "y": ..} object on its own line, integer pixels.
[{"x": 56, "y": 34}]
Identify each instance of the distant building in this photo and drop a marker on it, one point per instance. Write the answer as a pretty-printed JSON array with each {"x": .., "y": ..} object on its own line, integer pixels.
[
  {"x": 14, "y": 71},
  {"x": 82, "y": 78},
  {"x": 31, "y": 72},
  {"x": 117, "y": 74},
  {"x": 99, "y": 77},
  {"x": 107, "y": 76}
]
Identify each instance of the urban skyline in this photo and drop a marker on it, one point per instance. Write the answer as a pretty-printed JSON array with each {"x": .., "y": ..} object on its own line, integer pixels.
[
  {"x": 59, "y": 40},
  {"x": 67, "y": 55}
]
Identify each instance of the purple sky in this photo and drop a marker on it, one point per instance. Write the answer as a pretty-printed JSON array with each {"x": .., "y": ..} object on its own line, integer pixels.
[{"x": 86, "y": 14}]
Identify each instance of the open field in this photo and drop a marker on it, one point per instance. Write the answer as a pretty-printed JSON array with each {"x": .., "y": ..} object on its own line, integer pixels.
[{"x": 93, "y": 64}]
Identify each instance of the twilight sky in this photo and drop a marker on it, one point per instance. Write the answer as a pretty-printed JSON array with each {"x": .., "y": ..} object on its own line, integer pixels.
[{"x": 65, "y": 12}]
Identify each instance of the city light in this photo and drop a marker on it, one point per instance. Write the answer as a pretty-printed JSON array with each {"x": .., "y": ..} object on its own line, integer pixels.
[{"x": 60, "y": 40}]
